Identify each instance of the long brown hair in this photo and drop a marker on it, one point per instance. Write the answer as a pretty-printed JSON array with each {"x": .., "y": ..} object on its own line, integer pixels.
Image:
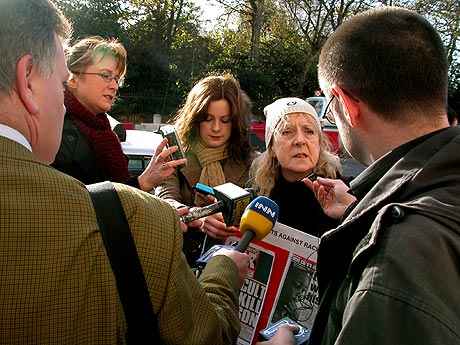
[{"x": 194, "y": 111}]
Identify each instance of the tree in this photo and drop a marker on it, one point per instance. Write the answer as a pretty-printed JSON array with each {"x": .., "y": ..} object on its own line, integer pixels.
[
  {"x": 315, "y": 21},
  {"x": 274, "y": 52},
  {"x": 95, "y": 17},
  {"x": 445, "y": 17},
  {"x": 254, "y": 12}
]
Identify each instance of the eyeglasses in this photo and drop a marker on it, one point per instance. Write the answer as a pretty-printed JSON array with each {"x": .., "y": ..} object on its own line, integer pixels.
[
  {"x": 328, "y": 113},
  {"x": 106, "y": 76}
]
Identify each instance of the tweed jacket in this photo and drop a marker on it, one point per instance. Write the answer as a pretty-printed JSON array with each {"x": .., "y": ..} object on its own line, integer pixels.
[
  {"x": 178, "y": 190},
  {"x": 56, "y": 284},
  {"x": 389, "y": 274}
]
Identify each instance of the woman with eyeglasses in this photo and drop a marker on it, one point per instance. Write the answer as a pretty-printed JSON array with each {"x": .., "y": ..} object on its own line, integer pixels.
[
  {"x": 297, "y": 149},
  {"x": 212, "y": 126},
  {"x": 90, "y": 151}
]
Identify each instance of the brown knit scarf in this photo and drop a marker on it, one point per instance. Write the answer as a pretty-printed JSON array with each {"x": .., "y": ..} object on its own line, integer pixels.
[
  {"x": 211, "y": 167},
  {"x": 104, "y": 142}
]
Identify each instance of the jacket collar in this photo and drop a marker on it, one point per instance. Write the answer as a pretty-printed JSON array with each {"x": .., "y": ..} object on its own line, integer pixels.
[
  {"x": 419, "y": 170},
  {"x": 13, "y": 149}
]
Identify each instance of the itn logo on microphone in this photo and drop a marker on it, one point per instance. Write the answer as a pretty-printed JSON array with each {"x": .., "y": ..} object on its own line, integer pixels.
[{"x": 265, "y": 207}]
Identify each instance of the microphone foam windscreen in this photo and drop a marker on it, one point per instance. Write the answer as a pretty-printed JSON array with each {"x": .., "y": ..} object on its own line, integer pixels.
[{"x": 259, "y": 216}]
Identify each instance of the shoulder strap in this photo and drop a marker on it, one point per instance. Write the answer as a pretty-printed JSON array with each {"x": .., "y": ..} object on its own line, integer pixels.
[{"x": 132, "y": 288}]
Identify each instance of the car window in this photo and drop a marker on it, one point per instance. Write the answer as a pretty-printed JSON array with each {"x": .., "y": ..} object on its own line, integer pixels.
[
  {"x": 135, "y": 164},
  {"x": 318, "y": 104}
]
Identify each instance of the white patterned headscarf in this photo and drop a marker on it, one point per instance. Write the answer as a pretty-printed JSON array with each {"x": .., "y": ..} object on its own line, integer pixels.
[{"x": 275, "y": 111}]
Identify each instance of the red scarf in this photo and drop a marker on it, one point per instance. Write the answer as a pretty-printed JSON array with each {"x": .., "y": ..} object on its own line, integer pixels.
[{"x": 103, "y": 141}]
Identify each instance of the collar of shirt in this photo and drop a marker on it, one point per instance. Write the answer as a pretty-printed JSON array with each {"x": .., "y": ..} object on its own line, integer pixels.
[
  {"x": 363, "y": 183},
  {"x": 13, "y": 134}
]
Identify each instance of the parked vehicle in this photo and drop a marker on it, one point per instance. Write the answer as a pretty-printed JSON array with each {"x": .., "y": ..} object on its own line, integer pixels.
[
  {"x": 139, "y": 147},
  {"x": 320, "y": 103},
  {"x": 257, "y": 135}
]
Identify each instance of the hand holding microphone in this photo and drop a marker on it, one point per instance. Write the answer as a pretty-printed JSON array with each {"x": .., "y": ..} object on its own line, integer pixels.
[
  {"x": 241, "y": 261},
  {"x": 256, "y": 222}
]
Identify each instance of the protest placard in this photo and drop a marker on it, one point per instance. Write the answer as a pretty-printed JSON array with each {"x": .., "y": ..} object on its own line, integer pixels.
[{"x": 281, "y": 282}]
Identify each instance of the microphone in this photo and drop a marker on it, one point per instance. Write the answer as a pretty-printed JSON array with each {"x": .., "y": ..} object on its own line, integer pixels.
[
  {"x": 257, "y": 221},
  {"x": 232, "y": 201},
  {"x": 201, "y": 212}
]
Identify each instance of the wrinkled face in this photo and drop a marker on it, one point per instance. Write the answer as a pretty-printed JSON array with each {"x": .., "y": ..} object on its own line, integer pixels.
[
  {"x": 216, "y": 129},
  {"x": 93, "y": 91},
  {"x": 50, "y": 100},
  {"x": 296, "y": 145}
]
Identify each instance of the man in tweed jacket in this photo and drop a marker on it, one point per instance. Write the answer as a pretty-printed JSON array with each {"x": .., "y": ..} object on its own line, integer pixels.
[{"x": 56, "y": 284}]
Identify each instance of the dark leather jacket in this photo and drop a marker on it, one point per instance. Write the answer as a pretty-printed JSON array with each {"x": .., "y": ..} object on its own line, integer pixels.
[
  {"x": 76, "y": 157},
  {"x": 390, "y": 273}
]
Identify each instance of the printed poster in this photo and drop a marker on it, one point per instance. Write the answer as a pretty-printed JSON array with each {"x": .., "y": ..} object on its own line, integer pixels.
[{"x": 281, "y": 281}]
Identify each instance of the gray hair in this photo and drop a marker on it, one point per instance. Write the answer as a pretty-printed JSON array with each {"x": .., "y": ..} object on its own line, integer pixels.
[
  {"x": 29, "y": 27},
  {"x": 266, "y": 169}
]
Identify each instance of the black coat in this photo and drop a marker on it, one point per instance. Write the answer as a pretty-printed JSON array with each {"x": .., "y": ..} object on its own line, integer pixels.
[
  {"x": 299, "y": 208},
  {"x": 76, "y": 157},
  {"x": 389, "y": 274}
]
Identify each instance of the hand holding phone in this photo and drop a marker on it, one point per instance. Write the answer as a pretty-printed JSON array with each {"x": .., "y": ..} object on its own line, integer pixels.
[{"x": 169, "y": 132}]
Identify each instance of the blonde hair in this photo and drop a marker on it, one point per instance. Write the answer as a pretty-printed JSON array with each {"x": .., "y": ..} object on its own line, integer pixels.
[
  {"x": 266, "y": 168},
  {"x": 194, "y": 111},
  {"x": 90, "y": 50}
]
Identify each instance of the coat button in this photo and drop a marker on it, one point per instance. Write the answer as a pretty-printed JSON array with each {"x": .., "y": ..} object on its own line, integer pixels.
[{"x": 397, "y": 213}]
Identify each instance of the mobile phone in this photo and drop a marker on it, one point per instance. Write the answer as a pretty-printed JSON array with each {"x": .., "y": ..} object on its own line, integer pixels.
[
  {"x": 312, "y": 176},
  {"x": 203, "y": 259},
  {"x": 301, "y": 337},
  {"x": 169, "y": 132}
]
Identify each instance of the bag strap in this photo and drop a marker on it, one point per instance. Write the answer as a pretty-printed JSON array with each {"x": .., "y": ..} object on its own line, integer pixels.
[{"x": 142, "y": 326}]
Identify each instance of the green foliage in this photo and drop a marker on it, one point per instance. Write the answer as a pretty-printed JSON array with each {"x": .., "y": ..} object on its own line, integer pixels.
[
  {"x": 168, "y": 50},
  {"x": 95, "y": 17}
]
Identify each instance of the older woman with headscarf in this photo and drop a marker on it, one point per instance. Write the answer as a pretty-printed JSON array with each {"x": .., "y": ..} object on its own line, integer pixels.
[{"x": 296, "y": 149}]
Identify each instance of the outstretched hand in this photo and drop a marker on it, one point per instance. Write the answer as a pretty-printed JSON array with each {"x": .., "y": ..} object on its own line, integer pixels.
[
  {"x": 332, "y": 195},
  {"x": 214, "y": 225},
  {"x": 197, "y": 223},
  {"x": 160, "y": 167},
  {"x": 284, "y": 336}
]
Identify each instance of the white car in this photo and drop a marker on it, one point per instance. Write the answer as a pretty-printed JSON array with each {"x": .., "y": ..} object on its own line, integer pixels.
[
  {"x": 139, "y": 146},
  {"x": 319, "y": 103}
]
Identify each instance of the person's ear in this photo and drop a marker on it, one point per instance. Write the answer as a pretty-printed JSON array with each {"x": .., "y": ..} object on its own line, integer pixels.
[
  {"x": 72, "y": 82},
  {"x": 351, "y": 105},
  {"x": 26, "y": 73}
]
